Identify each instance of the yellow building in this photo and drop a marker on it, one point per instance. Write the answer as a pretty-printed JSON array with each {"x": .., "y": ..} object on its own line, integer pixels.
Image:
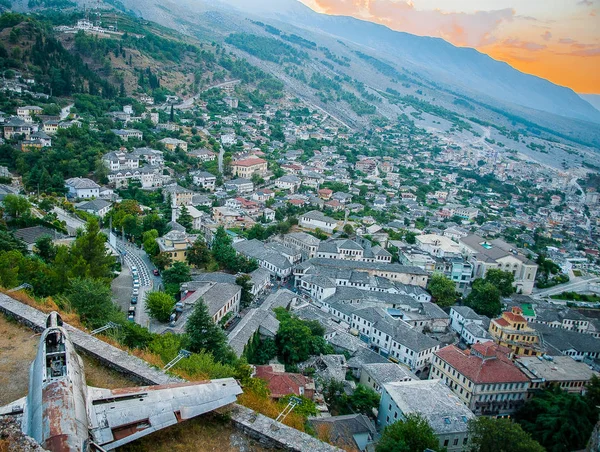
[
  {"x": 247, "y": 167},
  {"x": 511, "y": 330},
  {"x": 175, "y": 244}
]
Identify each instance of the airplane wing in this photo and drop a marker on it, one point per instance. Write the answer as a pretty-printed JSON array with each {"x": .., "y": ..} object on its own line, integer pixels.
[
  {"x": 15, "y": 408},
  {"x": 119, "y": 416}
]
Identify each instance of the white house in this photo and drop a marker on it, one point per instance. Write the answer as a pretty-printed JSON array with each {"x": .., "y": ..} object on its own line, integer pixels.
[
  {"x": 81, "y": 187},
  {"x": 204, "y": 180},
  {"x": 316, "y": 220}
]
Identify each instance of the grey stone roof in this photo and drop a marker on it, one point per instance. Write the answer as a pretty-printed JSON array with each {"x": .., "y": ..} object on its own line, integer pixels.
[
  {"x": 256, "y": 249},
  {"x": 251, "y": 323},
  {"x": 214, "y": 295},
  {"x": 341, "y": 429},
  {"x": 467, "y": 312},
  {"x": 30, "y": 235},
  {"x": 319, "y": 216},
  {"x": 477, "y": 331},
  {"x": 365, "y": 356},
  {"x": 280, "y": 299},
  {"x": 564, "y": 340},
  {"x": 240, "y": 181},
  {"x": 81, "y": 183},
  {"x": 388, "y": 372},
  {"x": 95, "y": 205},
  {"x": 308, "y": 239},
  {"x": 359, "y": 265},
  {"x": 433, "y": 400}
]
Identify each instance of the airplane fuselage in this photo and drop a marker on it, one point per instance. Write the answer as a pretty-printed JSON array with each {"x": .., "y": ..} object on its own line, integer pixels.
[{"x": 56, "y": 414}]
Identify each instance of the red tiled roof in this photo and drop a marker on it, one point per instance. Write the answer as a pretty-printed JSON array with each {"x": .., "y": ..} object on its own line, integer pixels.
[
  {"x": 492, "y": 370},
  {"x": 248, "y": 162},
  {"x": 514, "y": 317},
  {"x": 501, "y": 322},
  {"x": 297, "y": 202},
  {"x": 282, "y": 384}
]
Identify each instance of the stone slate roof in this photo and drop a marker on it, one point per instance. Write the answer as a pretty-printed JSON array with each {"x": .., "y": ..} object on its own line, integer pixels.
[
  {"x": 341, "y": 429},
  {"x": 95, "y": 205},
  {"x": 388, "y": 372},
  {"x": 256, "y": 249},
  {"x": 81, "y": 183},
  {"x": 434, "y": 401},
  {"x": 564, "y": 340},
  {"x": 359, "y": 265},
  {"x": 32, "y": 234}
]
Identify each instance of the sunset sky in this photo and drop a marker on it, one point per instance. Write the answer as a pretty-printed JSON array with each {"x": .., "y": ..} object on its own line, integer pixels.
[{"x": 555, "y": 39}]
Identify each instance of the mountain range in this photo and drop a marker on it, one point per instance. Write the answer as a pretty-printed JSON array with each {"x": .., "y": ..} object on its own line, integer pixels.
[
  {"x": 464, "y": 69},
  {"x": 461, "y": 81}
]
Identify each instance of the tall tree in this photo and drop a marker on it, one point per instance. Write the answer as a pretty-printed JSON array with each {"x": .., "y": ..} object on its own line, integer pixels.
[
  {"x": 16, "y": 206},
  {"x": 45, "y": 248},
  {"x": 91, "y": 299},
  {"x": 442, "y": 289},
  {"x": 413, "y": 434},
  {"x": 558, "y": 420},
  {"x": 185, "y": 219},
  {"x": 245, "y": 282},
  {"x": 89, "y": 252},
  {"x": 503, "y": 280},
  {"x": 363, "y": 400},
  {"x": 484, "y": 298},
  {"x": 159, "y": 306},
  {"x": 199, "y": 254},
  {"x": 205, "y": 335},
  {"x": 488, "y": 434}
]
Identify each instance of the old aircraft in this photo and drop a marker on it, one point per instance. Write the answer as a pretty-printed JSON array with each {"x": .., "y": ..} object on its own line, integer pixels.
[{"x": 63, "y": 414}]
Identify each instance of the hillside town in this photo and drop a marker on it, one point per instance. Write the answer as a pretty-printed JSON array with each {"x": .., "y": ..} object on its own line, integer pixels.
[{"x": 445, "y": 278}]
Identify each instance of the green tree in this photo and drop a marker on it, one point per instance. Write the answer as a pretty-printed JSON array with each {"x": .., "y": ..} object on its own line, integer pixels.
[
  {"x": 199, "y": 254},
  {"x": 89, "y": 253},
  {"x": 293, "y": 341},
  {"x": 16, "y": 206},
  {"x": 558, "y": 420},
  {"x": 484, "y": 298},
  {"x": 363, "y": 400},
  {"x": 149, "y": 242},
  {"x": 503, "y": 280},
  {"x": 92, "y": 300},
  {"x": 348, "y": 229},
  {"x": 592, "y": 394},
  {"x": 413, "y": 434},
  {"x": 442, "y": 289},
  {"x": 185, "y": 219},
  {"x": 178, "y": 273},
  {"x": 245, "y": 282},
  {"x": 222, "y": 250},
  {"x": 45, "y": 248},
  {"x": 488, "y": 434},
  {"x": 9, "y": 268},
  {"x": 159, "y": 306},
  {"x": 205, "y": 335},
  {"x": 162, "y": 261},
  {"x": 8, "y": 242}
]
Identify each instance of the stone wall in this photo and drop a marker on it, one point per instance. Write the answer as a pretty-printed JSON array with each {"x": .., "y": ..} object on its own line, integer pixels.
[{"x": 267, "y": 431}]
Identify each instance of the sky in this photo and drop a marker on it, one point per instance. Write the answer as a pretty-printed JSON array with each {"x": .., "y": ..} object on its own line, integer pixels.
[{"x": 558, "y": 40}]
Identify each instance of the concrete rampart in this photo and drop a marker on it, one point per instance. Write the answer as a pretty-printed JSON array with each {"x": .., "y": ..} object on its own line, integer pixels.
[{"x": 267, "y": 431}]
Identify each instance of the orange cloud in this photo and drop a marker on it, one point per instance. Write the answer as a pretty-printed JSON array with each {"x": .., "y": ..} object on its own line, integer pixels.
[
  {"x": 459, "y": 28},
  {"x": 502, "y": 34}
]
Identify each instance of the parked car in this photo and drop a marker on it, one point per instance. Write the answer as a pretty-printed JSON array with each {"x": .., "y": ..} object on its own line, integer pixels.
[
  {"x": 131, "y": 314},
  {"x": 134, "y": 300},
  {"x": 136, "y": 283},
  {"x": 136, "y": 292},
  {"x": 155, "y": 272}
]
